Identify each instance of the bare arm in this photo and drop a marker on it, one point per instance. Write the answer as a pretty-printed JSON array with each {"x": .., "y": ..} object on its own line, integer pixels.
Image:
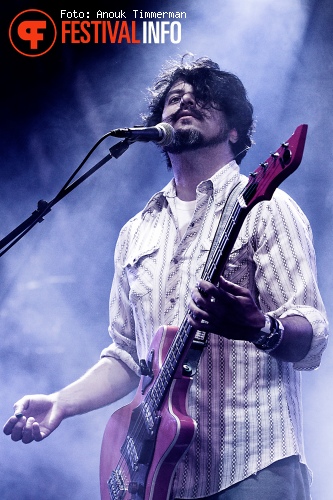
[
  {"x": 105, "y": 383},
  {"x": 35, "y": 417}
]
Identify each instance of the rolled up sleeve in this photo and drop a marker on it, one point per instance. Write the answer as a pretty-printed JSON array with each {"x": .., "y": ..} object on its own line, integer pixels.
[{"x": 286, "y": 271}]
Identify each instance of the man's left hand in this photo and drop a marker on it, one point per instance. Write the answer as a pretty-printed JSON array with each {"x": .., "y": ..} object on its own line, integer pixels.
[{"x": 226, "y": 309}]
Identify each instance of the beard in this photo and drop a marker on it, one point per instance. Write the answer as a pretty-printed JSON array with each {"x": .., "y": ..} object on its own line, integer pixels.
[
  {"x": 191, "y": 139},
  {"x": 185, "y": 140}
]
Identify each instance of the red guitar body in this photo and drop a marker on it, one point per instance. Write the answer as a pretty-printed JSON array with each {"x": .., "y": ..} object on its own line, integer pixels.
[{"x": 160, "y": 452}]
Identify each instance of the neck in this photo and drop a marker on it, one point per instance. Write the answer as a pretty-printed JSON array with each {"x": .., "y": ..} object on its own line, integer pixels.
[{"x": 194, "y": 166}]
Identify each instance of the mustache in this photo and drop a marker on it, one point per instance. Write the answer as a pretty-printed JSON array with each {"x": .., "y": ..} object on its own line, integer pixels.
[{"x": 175, "y": 116}]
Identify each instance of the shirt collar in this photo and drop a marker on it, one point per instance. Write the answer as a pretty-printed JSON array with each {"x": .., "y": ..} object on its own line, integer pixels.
[{"x": 220, "y": 185}]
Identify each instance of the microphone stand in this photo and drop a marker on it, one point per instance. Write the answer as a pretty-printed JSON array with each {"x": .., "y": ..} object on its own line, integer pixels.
[{"x": 44, "y": 207}]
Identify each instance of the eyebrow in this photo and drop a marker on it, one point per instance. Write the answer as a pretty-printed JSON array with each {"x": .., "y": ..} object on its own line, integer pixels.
[{"x": 175, "y": 91}]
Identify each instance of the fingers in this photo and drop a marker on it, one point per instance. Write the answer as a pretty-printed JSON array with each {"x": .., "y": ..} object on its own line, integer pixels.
[
  {"x": 200, "y": 307},
  {"x": 205, "y": 295},
  {"x": 11, "y": 423},
  {"x": 211, "y": 305},
  {"x": 231, "y": 288},
  {"x": 23, "y": 429},
  {"x": 31, "y": 432},
  {"x": 18, "y": 419},
  {"x": 26, "y": 434},
  {"x": 14, "y": 427},
  {"x": 205, "y": 289},
  {"x": 199, "y": 320}
]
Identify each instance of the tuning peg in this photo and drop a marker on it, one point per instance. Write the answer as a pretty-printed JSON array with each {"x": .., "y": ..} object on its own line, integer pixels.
[{"x": 286, "y": 157}]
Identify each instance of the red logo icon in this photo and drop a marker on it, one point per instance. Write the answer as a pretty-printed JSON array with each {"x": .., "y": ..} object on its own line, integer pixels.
[{"x": 32, "y": 33}]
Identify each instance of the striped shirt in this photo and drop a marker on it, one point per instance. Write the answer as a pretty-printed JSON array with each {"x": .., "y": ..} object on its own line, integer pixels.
[{"x": 246, "y": 403}]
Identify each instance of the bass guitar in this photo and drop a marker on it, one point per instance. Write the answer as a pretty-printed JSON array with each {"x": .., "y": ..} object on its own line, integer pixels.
[{"x": 144, "y": 440}]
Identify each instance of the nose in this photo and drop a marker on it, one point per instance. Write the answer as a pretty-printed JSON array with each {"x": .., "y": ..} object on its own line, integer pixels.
[{"x": 187, "y": 100}]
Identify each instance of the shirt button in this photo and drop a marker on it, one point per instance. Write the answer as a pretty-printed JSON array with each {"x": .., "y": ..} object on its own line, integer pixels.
[{"x": 172, "y": 300}]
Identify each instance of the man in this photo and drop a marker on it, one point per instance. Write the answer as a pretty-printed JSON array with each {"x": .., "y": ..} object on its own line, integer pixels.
[{"x": 266, "y": 318}]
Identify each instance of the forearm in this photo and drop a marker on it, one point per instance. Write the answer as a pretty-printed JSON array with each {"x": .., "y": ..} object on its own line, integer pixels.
[
  {"x": 296, "y": 339},
  {"x": 292, "y": 344},
  {"x": 106, "y": 382}
]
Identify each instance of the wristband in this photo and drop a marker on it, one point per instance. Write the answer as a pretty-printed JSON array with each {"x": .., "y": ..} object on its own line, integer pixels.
[{"x": 272, "y": 334}]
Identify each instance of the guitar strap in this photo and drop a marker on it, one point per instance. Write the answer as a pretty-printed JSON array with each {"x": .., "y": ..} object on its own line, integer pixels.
[{"x": 201, "y": 338}]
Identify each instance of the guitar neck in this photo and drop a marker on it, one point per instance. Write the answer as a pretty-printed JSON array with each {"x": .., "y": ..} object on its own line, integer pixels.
[
  {"x": 260, "y": 186},
  {"x": 223, "y": 243}
]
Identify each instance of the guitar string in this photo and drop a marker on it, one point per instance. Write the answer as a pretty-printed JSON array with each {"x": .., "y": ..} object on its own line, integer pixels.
[
  {"x": 181, "y": 337},
  {"x": 155, "y": 395},
  {"x": 248, "y": 191}
]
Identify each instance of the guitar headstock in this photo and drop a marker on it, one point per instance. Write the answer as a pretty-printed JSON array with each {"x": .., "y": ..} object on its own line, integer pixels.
[{"x": 278, "y": 166}]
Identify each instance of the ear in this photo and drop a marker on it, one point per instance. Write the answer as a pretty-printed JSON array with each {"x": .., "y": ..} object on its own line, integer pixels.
[{"x": 233, "y": 136}]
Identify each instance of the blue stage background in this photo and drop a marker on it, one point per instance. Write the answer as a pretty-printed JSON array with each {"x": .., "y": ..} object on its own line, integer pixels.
[{"x": 55, "y": 282}]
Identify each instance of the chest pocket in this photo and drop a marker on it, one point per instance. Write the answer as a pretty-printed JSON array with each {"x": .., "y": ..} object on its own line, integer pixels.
[{"x": 141, "y": 269}]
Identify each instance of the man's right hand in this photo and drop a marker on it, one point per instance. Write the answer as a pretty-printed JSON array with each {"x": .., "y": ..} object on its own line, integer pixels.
[{"x": 35, "y": 417}]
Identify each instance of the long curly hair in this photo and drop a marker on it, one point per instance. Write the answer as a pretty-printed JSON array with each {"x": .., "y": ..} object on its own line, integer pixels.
[{"x": 213, "y": 88}]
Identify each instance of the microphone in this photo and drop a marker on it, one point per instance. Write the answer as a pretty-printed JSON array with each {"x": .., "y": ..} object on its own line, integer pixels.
[{"x": 162, "y": 134}]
